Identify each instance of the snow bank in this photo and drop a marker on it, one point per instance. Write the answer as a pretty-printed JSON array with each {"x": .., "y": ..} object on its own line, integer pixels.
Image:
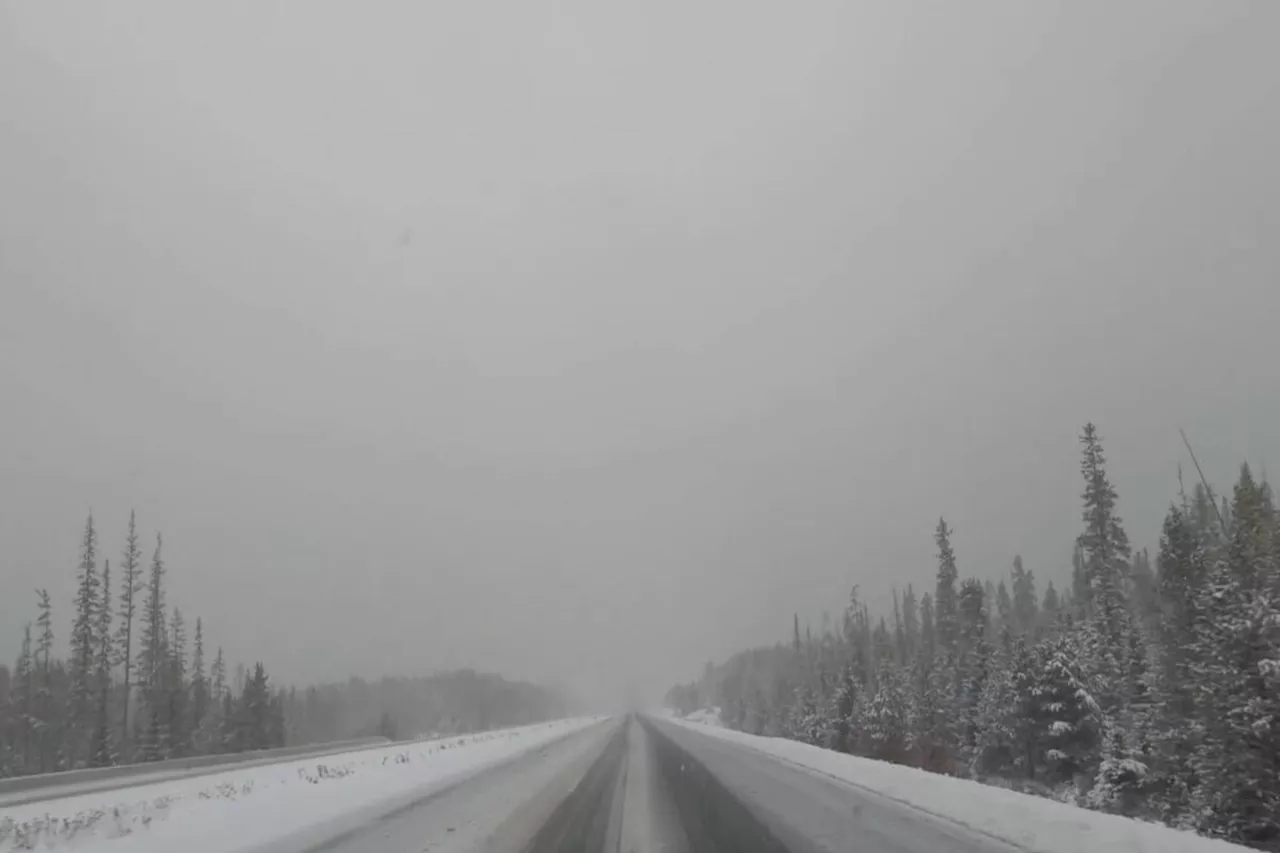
[
  {"x": 1033, "y": 823},
  {"x": 285, "y": 807},
  {"x": 19, "y": 790},
  {"x": 706, "y": 716}
]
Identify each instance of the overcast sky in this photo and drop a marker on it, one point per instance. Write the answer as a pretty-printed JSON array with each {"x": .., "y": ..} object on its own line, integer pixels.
[{"x": 587, "y": 341}]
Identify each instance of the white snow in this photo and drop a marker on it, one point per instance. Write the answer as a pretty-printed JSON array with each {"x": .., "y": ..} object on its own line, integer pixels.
[
  {"x": 1035, "y": 824},
  {"x": 706, "y": 716},
  {"x": 129, "y": 777},
  {"x": 285, "y": 807}
]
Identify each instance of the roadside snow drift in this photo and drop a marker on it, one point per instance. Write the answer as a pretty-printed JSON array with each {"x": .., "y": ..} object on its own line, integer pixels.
[
  {"x": 282, "y": 808},
  {"x": 706, "y": 716},
  {"x": 1032, "y": 823}
]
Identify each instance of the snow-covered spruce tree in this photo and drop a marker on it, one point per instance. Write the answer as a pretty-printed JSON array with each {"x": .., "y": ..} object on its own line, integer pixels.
[
  {"x": 84, "y": 649},
  {"x": 1051, "y": 609},
  {"x": 1123, "y": 782},
  {"x": 23, "y": 702},
  {"x": 844, "y": 723},
  {"x": 884, "y": 725},
  {"x": 857, "y": 633},
  {"x": 995, "y": 747},
  {"x": 153, "y": 654},
  {"x": 933, "y": 730},
  {"x": 102, "y": 751},
  {"x": 1021, "y": 710},
  {"x": 882, "y": 649},
  {"x": 45, "y": 724},
  {"x": 1142, "y": 590},
  {"x": 1069, "y": 717},
  {"x": 276, "y": 721},
  {"x": 828, "y": 701},
  {"x": 229, "y": 737},
  {"x": 1238, "y": 760},
  {"x": 177, "y": 689},
  {"x": 209, "y": 733},
  {"x": 254, "y": 713},
  {"x": 1111, "y": 639},
  {"x": 1183, "y": 576},
  {"x": 945, "y": 608},
  {"x": 130, "y": 586},
  {"x": 1004, "y": 607},
  {"x": 199, "y": 689},
  {"x": 805, "y": 724},
  {"x": 1025, "y": 606},
  {"x": 1104, "y": 549},
  {"x": 971, "y": 670}
]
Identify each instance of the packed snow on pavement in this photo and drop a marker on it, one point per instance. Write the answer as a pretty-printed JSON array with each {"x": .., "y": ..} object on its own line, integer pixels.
[
  {"x": 289, "y": 806},
  {"x": 1032, "y": 823}
]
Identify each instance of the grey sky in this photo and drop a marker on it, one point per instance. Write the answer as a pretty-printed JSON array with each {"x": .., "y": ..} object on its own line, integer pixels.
[{"x": 587, "y": 341}]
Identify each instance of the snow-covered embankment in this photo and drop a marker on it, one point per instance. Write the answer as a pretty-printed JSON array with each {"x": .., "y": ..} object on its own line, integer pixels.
[
  {"x": 284, "y": 807},
  {"x": 1031, "y": 823}
]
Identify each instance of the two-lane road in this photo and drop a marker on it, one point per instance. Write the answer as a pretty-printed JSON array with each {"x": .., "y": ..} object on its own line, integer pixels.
[{"x": 637, "y": 785}]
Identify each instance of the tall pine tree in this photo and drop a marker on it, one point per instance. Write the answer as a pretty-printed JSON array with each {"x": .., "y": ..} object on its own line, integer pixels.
[
  {"x": 84, "y": 648},
  {"x": 1238, "y": 760},
  {"x": 43, "y": 723},
  {"x": 152, "y": 663},
  {"x": 176, "y": 688},
  {"x": 1024, "y": 597},
  {"x": 1104, "y": 549},
  {"x": 130, "y": 586},
  {"x": 945, "y": 610},
  {"x": 1051, "y": 608},
  {"x": 24, "y": 690},
  {"x": 102, "y": 749},
  {"x": 1183, "y": 578},
  {"x": 1104, "y": 546},
  {"x": 199, "y": 684},
  {"x": 210, "y": 734}
]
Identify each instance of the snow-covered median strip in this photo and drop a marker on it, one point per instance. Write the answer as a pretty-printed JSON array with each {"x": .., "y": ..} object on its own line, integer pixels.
[
  {"x": 290, "y": 806},
  {"x": 1033, "y": 823}
]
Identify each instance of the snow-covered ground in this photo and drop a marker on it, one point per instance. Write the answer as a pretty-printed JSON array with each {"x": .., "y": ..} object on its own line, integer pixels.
[
  {"x": 289, "y": 806},
  {"x": 1032, "y": 823},
  {"x": 70, "y": 783},
  {"x": 706, "y": 716}
]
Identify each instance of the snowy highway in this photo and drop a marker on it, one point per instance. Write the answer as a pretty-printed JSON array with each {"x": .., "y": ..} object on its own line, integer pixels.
[
  {"x": 628, "y": 784},
  {"x": 635, "y": 785}
]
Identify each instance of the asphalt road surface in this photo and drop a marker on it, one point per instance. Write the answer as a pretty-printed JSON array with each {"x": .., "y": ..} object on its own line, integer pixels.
[{"x": 637, "y": 785}]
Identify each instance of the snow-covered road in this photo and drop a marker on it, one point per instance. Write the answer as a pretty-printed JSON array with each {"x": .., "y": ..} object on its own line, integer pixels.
[{"x": 628, "y": 784}]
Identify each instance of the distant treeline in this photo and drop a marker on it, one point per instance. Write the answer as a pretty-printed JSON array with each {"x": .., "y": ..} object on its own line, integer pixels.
[
  {"x": 448, "y": 703},
  {"x": 137, "y": 684},
  {"x": 1144, "y": 689}
]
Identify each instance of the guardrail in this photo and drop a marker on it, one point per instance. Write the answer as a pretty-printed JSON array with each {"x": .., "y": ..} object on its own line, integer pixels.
[{"x": 24, "y": 789}]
